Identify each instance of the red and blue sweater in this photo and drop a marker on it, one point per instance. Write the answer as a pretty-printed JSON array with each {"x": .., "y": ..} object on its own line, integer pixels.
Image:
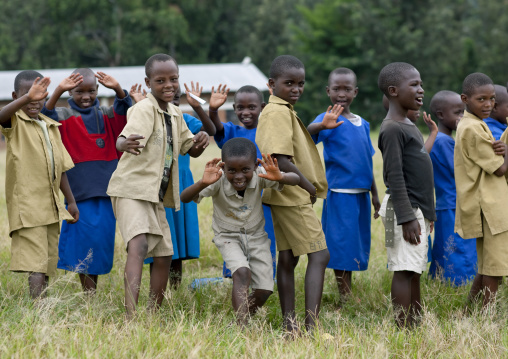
[{"x": 89, "y": 135}]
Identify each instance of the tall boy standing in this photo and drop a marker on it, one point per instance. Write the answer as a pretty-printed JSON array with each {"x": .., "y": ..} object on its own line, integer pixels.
[
  {"x": 408, "y": 207},
  {"x": 297, "y": 229}
]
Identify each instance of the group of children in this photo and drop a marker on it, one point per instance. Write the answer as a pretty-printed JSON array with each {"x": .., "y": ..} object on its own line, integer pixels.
[{"x": 131, "y": 163}]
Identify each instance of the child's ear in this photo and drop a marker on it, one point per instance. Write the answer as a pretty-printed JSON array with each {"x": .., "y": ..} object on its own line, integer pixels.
[
  {"x": 463, "y": 97},
  {"x": 234, "y": 106},
  {"x": 97, "y": 87},
  {"x": 328, "y": 91},
  {"x": 393, "y": 91},
  {"x": 147, "y": 82},
  {"x": 263, "y": 104},
  {"x": 14, "y": 95},
  {"x": 271, "y": 82},
  {"x": 356, "y": 92},
  {"x": 494, "y": 109},
  {"x": 439, "y": 115}
]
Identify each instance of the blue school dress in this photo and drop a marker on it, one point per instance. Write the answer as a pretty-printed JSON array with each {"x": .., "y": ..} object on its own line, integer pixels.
[
  {"x": 232, "y": 131},
  {"x": 453, "y": 257},
  {"x": 497, "y": 128},
  {"x": 346, "y": 215}
]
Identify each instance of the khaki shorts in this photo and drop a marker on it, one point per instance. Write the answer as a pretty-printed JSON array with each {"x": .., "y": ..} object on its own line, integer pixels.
[
  {"x": 137, "y": 217},
  {"x": 35, "y": 249},
  {"x": 249, "y": 250},
  {"x": 298, "y": 228},
  {"x": 492, "y": 252}
]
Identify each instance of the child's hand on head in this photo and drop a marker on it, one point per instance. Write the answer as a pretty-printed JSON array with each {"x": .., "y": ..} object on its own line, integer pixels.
[
  {"x": 201, "y": 139},
  {"x": 219, "y": 97},
  {"x": 71, "y": 82},
  {"x": 331, "y": 117},
  {"x": 131, "y": 144},
  {"x": 213, "y": 171},
  {"x": 500, "y": 148},
  {"x": 430, "y": 124},
  {"x": 107, "y": 80},
  {"x": 136, "y": 94},
  {"x": 39, "y": 89},
  {"x": 195, "y": 90},
  {"x": 72, "y": 208},
  {"x": 271, "y": 167}
]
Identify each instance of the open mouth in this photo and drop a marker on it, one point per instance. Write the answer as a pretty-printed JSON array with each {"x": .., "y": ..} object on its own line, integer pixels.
[
  {"x": 239, "y": 185},
  {"x": 419, "y": 101}
]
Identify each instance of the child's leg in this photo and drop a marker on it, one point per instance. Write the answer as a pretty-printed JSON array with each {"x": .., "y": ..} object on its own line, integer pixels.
[
  {"x": 257, "y": 299},
  {"x": 240, "y": 294},
  {"x": 175, "y": 273},
  {"x": 401, "y": 296},
  {"x": 490, "y": 284},
  {"x": 344, "y": 282},
  {"x": 159, "y": 280},
  {"x": 314, "y": 280},
  {"x": 37, "y": 282},
  {"x": 136, "y": 253},
  {"x": 475, "y": 288},
  {"x": 88, "y": 282},
  {"x": 286, "y": 286},
  {"x": 416, "y": 306}
]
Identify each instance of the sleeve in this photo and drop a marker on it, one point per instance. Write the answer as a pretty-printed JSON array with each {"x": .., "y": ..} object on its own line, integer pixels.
[
  {"x": 52, "y": 114},
  {"x": 265, "y": 183},
  {"x": 67, "y": 162},
  {"x": 122, "y": 105},
  {"x": 209, "y": 191},
  {"x": 185, "y": 136},
  {"x": 392, "y": 145},
  {"x": 117, "y": 114},
  {"x": 477, "y": 146},
  {"x": 442, "y": 153},
  {"x": 9, "y": 127},
  {"x": 321, "y": 135},
  {"x": 228, "y": 133},
  {"x": 140, "y": 121},
  {"x": 275, "y": 132},
  {"x": 193, "y": 123},
  {"x": 367, "y": 131}
]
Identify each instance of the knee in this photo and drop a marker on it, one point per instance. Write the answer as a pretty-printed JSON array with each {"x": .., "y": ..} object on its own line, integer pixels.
[
  {"x": 138, "y": 246},
  {"x": 263, "y": 294},
  {"x": 242, "y": 276},
  {"x": 320, "y": 258}
]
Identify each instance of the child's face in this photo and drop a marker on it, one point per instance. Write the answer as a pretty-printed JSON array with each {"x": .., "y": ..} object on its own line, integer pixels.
[
  {"x": 413, "y": 115},
  {"x": 163, "y": 82},
  {"x": 410, "y": 91},
  {"x": 31, "y": 109},
  {"x": 176, "y": 99},
  {"x": 342, "y": 90},
  {"x": 247, "y": 108},
  {"x": 239, "y": 171},
  {"x": 481, "y": 102},
  {"x": 452, "y": 112},
  {"x": 85, "y": 93},
  {"x": 289, "y": 85},
  {"x": 500, "y": 111}
]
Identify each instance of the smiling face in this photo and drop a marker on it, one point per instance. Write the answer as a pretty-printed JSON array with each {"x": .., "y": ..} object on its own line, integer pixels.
[
  {"x": 239, "y": 171},
  {"x": 342, "y": 90},
  {"x": 481, "y": 102},
  {"x": 247, "y": 108},
  {"x": 32, "y": 109},
  {"x": 289, "y": 85},
  {"x": 85, "y": 93},
  {"x": 163, "y": 82},
  {"x": 410, "y": 91}
]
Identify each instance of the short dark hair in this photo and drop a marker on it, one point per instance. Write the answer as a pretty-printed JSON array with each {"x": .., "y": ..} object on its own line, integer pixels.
[
  {"x": 473, "y": 81},
  {"x": 341, "y": 71},
  {"x": 250, "y": 89},
  {"x": 501, "y": 93},
  {"x": 157, "y": 58},
  {"x": 282, "y": 63},
  {"x": 27, "y": 75},
  {"x": 85, "y": 72},
  {"x": 239, "y": 147},
  {"x": 392, "y": 75},
  {"x": 439, "y": 100}
]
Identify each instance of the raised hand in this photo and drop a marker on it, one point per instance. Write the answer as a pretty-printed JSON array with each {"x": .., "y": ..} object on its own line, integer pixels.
[
  {"x": 71, "y": 82},
  {"x": 430, "y": 124},
  {"x": 213, "y": 171},
  {"x": 271, "y": 167},
  {"x": 39, "y": 89},
  {"x": 332, "y": 114},
  {"x": 201, "y": 139},
  {"x": 136, "y": 94},
  {"x": 195, "y": 90},
  {"x": 219, "y": 97},
  {"x": 107, "y": 80}
]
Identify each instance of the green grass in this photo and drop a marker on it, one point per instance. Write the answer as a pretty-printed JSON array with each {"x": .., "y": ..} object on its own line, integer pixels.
[{"x": 200, "y": 323}]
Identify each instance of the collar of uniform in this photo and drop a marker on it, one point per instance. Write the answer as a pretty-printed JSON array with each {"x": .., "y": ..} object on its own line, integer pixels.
[
  {"x": 471, "y": 116},
  {"x": 279, "y": 101},
  {"x": 229, "y": 190},
  {"x": 23, "y": 116},
  {"x": 170, "y": 109}
]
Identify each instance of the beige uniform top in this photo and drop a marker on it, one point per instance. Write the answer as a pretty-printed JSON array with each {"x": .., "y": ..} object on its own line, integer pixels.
[
  {"x": 140, "y": 177},
  {"x": 280, "y": 131},
  {"x": 479, "y": 190},
  {"x": 32, "y": 193}
]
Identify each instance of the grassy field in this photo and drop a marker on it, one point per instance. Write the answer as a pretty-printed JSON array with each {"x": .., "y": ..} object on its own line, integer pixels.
[{"x": 200, "y": 323}]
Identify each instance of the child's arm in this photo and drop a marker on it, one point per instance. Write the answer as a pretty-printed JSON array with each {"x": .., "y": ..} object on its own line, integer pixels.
[
  {"x": 38, "y": 92},
  {"x": 110, "y": 82},
  {"x": 329, "y": 120},
  {"x": 217, "y": 99},
  {"x": 208, "y": 125},
  {"x": 273, "y": 172},
  {"x": 287, "y": 166},
  {"x": 375, "y": 198},
  {"x": 433, "y": 132},
  {"x": 201, "y": 141},
  {"x": 211, "y": 175},
  {"x": 67, "y": 84},
  {"x": 72, "y": 207},
  {"x": 136, "y": 94},
  {"x": 501, "y": 149},
  {"x": 129, "y": 144}
]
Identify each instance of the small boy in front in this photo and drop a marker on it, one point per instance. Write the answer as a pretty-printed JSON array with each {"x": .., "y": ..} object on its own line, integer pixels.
[
  {"x": 146, "y": 179},
  {"x": 482, "y": 192},
  {"x": 297, "y": 229},
  {"x": 36, "y": 164},
  {"x": 499, "y": 114},
  {"x": 238, "y": 220},
  {"x": 408, "y": 208}
]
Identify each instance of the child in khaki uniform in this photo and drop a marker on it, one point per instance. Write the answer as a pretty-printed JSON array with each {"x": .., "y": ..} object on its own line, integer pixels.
[
  {"x": 36, "y": 165},
  {"x": 297, "y": 229},
  {"x": 482, "y": 193},
  {"x": 146, "y": 179}
]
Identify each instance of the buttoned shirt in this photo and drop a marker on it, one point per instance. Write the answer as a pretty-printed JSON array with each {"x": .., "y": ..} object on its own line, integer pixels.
[
  {"x": 280, "y": 131},
  {"x": 140, "y": 176},
  {"x": 479, "y": 190},
  {"x": 32, "y": 192}
]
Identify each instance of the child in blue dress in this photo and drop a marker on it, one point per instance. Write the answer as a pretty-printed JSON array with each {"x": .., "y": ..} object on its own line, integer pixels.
[
  {"x": 248, "y": 104},
  {"x": 497, "y": 120},
  {"x": 348, "y": 155},
  {"x": 453, "y": 258}
]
